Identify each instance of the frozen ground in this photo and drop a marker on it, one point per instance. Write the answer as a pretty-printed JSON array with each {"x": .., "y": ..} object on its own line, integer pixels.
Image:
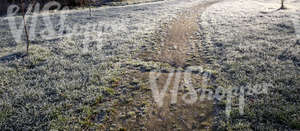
[
  {"x": 97, "y": 80},
  {"x": 251, "y": 42},
  {"x": 81, "y": 81}
]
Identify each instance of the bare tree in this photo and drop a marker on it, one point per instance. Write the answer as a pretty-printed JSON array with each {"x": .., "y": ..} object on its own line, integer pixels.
[
  {"x": 89, "y": 4},
  {"x": 282, "y": 5},
  {"x": 25, "y": 26}
]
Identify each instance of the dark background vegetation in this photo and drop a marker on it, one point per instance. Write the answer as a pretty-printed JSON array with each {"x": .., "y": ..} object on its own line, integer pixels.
[{"x": 4, "y": 4}]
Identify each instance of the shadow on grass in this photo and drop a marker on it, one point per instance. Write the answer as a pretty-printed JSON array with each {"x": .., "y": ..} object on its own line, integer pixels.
[
  {"x": 11, "y": 57},
  {"x": 269, "y": 12}
]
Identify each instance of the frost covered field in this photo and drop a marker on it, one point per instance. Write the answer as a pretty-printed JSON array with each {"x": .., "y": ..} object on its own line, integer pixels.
[
  {"x": 92, "y": 72},
  {"x": 251, "y": 42},
  {"x": 79, "y": 78}
]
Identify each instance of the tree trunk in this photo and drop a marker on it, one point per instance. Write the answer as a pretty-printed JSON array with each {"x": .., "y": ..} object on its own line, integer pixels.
[{"x": 282, "y": 4}]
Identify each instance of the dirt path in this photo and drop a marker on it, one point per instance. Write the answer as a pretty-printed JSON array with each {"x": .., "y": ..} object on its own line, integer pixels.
[
  {"x": 175, "y": 46},
  {"x": 177, "y": 49}
]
